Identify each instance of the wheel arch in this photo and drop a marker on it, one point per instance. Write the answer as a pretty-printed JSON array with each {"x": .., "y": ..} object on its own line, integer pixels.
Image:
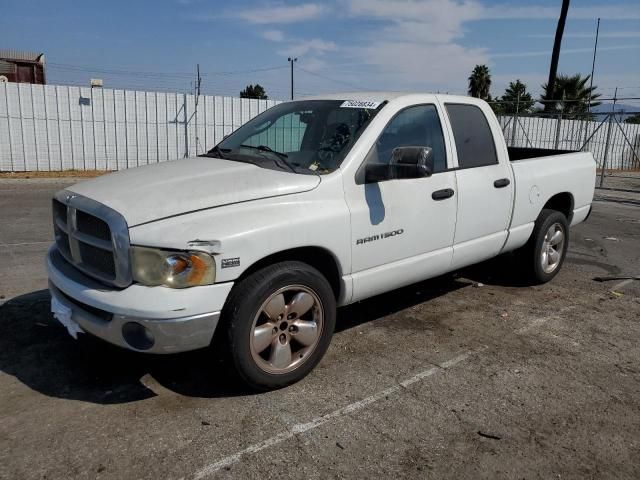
[
  {"x": 318, "y": 257},
  {"x": 562, "y": 202}
]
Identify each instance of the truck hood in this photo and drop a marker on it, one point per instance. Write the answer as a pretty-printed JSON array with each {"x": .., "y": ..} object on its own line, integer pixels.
[{"x": 161, "y": 190}]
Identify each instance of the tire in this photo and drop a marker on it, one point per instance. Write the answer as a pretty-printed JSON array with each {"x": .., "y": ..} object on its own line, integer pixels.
[
  {"x": 541, "y": 268},
  {"x": 272, "y": 311}
]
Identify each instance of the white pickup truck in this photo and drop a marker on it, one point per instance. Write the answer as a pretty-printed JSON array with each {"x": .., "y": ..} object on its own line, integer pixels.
[{"x": 311, "y": 205}]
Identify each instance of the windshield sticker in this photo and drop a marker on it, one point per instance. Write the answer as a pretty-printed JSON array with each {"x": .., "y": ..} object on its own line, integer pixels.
[{"x": 360, "y": 104}]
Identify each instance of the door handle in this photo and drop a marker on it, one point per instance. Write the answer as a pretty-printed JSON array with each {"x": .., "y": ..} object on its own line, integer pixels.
[
  {"x": 442, "y": 194},
  {"x": 501, "y": 183}
]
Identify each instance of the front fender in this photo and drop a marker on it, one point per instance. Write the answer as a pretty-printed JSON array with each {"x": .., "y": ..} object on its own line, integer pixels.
[{"x": 240, "y": 235}]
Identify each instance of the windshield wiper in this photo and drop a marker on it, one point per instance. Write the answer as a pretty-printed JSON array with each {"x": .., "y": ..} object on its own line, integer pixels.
[
  {"x": 216, "y": 152},
  {"x": 281, "y": 156}
]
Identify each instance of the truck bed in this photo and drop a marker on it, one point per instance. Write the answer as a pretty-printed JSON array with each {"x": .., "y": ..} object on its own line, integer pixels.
[
  {"x": 539, "y": 178},
  {"x": 523, "y": 153}
]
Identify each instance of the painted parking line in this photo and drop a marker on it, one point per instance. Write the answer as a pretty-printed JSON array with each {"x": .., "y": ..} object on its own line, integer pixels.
[
  {"x": 302, "y": 428},
  {"x": 24, "y": 243}
]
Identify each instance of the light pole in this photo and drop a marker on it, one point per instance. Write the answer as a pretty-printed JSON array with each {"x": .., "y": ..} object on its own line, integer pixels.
[
  {"x": 593, "y": 66},
  {"x": 291, "y": 60}
]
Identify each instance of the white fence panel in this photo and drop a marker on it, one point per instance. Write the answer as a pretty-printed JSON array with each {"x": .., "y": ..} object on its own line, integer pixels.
[{"x": 57, "y": 127}]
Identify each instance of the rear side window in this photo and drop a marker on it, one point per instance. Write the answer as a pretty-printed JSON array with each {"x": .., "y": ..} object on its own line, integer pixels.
[{"x": 474, "y": 140}]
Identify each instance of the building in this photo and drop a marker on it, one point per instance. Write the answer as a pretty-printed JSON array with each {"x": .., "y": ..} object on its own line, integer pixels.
[{"x": 22, "y": 67}]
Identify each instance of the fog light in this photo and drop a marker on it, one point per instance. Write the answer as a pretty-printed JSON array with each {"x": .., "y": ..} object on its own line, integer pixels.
[{"x": 137, "y": 336}]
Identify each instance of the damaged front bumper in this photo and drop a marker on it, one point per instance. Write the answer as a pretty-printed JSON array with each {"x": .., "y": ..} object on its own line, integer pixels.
[{"x": 140, "y": 318}]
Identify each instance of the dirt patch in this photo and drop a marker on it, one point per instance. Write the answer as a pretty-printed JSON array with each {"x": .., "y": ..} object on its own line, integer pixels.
[{"x": 62, "y": 174}]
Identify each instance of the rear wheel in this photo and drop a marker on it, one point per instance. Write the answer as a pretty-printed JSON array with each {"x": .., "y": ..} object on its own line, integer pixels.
[
  {"x": 545, "y": 252},
  {"x": 279, "y": 323}
]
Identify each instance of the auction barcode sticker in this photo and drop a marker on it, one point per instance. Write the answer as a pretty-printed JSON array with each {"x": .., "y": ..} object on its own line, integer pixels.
[{"x": 360, "y": 104}]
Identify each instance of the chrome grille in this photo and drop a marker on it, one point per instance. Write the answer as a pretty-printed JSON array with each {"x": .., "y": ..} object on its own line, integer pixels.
[{"x": 92, "y": 237}]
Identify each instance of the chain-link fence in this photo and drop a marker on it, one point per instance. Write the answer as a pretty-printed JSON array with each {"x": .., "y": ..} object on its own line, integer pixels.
[{"x": 612, "y": 137}]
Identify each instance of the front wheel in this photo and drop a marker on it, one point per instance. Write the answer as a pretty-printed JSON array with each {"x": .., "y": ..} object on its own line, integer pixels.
[
  {"x": 279, "y": 323},
  {"x": 545, "y": 252}
]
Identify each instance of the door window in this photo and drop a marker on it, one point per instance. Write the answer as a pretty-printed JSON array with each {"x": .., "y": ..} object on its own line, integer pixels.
[
  {"x": 417, "y": 126},
  {"x": 474, "y": 140}
]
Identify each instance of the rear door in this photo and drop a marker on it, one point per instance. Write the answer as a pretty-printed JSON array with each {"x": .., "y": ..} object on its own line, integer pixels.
[{"x": 485, "y": 185}]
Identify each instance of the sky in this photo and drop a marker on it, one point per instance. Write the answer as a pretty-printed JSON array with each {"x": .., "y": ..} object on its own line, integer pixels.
[{"x": 341, "y": 45}]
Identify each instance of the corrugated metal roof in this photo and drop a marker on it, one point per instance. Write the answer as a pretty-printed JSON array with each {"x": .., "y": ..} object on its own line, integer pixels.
[
  {"x": 7, "y": 54},
  {"x": 7, "y": 67}
]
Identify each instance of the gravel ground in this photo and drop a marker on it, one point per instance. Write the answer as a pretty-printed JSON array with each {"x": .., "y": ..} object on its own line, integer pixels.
[{"x": 464, "y": 376}]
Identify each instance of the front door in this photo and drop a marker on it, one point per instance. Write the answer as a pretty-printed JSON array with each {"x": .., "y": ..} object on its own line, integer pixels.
[{"x": 401, "y": 232}]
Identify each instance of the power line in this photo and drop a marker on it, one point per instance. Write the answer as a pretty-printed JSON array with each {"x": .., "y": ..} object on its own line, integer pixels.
[
  {"x": 351, "y": 85},
  {"x": 117, "y": 71}
]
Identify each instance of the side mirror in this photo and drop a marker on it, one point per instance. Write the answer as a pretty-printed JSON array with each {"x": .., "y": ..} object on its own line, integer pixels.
[{"x": 406, "y": 162}]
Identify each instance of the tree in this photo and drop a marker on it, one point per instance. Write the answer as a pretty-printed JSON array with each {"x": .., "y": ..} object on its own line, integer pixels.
[
  {"x": 571, "y": 95},
  {"x": 516, "y": 98},
  {"x": 254, "y": 91},
  {"x": 480, "y": 82},
  {"x": 633, "y": 118},
  {"x": 555, "y": 55}
]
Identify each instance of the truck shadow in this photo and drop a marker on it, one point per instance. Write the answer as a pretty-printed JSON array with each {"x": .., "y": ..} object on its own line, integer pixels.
[{"x": 38, "y": 352}]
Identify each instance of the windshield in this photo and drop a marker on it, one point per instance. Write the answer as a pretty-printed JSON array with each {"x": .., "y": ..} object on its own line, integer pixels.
[{"x": 311, "y": 136}]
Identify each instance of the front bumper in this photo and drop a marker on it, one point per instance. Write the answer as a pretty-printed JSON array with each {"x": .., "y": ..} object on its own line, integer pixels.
[{"x": 172, "y": 320}]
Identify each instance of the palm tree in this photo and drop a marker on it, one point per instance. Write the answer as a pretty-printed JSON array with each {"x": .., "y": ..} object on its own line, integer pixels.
[
  {"x": 516, "y": 98},
  {"x": 571, "y": 94},
  {"x": 555, "y": 55},
  {"x": 480, "y": 82}
]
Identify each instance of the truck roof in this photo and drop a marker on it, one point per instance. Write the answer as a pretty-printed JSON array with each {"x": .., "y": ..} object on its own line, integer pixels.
[{"x": 388, "y": 96}]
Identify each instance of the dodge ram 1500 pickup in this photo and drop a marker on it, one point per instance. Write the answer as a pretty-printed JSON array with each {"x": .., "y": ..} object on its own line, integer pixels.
[{"x": 311, "y": 205}]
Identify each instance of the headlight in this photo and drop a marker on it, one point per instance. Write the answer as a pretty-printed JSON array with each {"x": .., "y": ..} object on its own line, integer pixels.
[{"x": 176, "y": 269}]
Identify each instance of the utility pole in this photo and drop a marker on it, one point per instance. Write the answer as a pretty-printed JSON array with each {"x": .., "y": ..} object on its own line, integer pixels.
[{"x": 291, "y": 60}]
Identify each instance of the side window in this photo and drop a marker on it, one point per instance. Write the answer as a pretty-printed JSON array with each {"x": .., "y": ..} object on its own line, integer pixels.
[
  {"x": 474, "y": 140},
  {"x": 417, "y": 126}
]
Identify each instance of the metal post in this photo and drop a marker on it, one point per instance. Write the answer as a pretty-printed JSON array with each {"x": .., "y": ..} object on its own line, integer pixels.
[
  {"x": 515, "y": 122},
  {"x": 84, "y": 155},
  {"x": 104, "y": 131},
  {"x": 559, "y": 123},
  {"x": 291, "y": 60},
  {"x": 155, "y": 103},
  {"x": 126, "y": 131},
  {"x": 35, "y": 131},
  {"x": 197, "y": 89},
  {"x": 135, "y": 110},
  {"x": 59, "y": 125},
  {"x": 186, "y": 126},
  {"x": 24, "y": 153},
  {"x": 608, "y": 142},
  {"x": 6, "y": 99},
  {"x": 93, "y": 126},
  {"x": 46, "y": 123}
]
